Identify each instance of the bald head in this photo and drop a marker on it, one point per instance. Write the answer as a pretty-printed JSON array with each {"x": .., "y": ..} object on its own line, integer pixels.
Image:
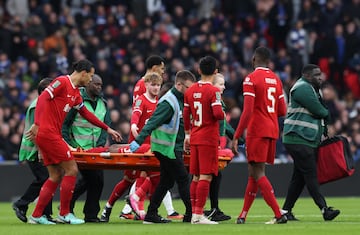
[{"x": 94, "y": 88}]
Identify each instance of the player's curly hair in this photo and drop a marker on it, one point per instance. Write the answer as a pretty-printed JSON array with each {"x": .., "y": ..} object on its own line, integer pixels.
[
  {"x": 82, "y": 65},
  {"x": 208, "y": 65}
]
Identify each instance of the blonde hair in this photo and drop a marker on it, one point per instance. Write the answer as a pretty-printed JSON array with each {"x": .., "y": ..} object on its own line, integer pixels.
[
  {"x": 217, "y": 77},
  {"x": 153, "y": 78}
]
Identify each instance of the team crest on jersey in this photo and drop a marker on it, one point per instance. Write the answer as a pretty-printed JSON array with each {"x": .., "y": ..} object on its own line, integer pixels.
[
  {"x": 137, "y": 103},
  {"x": 67, "y": 108},
  {"x": 56, "y": 84}
]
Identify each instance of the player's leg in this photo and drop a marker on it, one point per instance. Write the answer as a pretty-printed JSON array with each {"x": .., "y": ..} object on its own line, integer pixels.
[
  {"x": 257, "y": 170},
  {"x": 66, "y": 191},
  {"x": 208, "y": 166},
  {"x": 118, "y": 191},
  {"x": 46, "y": 193}
]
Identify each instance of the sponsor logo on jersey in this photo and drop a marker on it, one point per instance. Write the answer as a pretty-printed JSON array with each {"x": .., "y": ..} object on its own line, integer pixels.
[
  {"x": 218, "y": 95},
  {"x": 137, "y": 103},
  {"x": 56, "y": 84},
  {"x": 197, "y": 95}
]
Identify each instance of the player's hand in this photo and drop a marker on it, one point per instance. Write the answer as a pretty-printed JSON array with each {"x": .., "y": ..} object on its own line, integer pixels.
[
  {"x": 40, "y": 157},
  {"x": 114, "y": 134},
  {"x": 72, "y": 148},
  {"x": 187, "y": 144},
  {"x": 134, "y": 146},
  {"x": 234, "y": 146},
  {"x": 32, "y": 132},
  {"x": 134, "y": 130}
]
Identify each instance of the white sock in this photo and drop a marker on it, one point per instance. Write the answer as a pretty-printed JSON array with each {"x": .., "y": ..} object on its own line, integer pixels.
[
  {"x": 108, "y": 205},
  {"x": 133, "y": 188},
  {"x": 167, "y": 201},
  {"x": 127, "y": 209}
]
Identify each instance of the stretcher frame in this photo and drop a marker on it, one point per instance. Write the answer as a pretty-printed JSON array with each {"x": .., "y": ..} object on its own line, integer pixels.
[{"x": 128, "y": 161}]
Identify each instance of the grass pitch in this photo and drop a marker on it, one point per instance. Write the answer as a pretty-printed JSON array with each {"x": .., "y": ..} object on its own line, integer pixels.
[{"x": 311, "y": 221}]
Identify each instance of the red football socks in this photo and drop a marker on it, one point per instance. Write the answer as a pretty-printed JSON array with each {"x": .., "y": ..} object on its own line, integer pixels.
[
  {"x": 202, "y": 191},
  {"x": 268, "y": 194},
  {"x": 66, "y": 191},
  {"x": 118, "y": 191},
  {"x": 46, "y": 193},
  {"x": 193, "y": 187},
  {"x": 249, "y": 197}
]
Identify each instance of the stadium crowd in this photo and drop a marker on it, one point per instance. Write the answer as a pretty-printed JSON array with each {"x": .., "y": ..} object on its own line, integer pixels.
[{"x": 42, "y": 38}]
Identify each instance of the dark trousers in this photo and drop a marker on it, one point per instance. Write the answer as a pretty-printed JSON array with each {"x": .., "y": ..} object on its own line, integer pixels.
[
  {"x": 304, "y": 173},
  {"x": 214, "y": 190},
  {"x": 171, "y": 171},
  {"x": 91, "y": 182},
  {"x": 32, "y": 192}
]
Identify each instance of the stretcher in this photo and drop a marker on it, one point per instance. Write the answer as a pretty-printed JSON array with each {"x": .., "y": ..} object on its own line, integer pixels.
[{"x": 133, "y": 161}]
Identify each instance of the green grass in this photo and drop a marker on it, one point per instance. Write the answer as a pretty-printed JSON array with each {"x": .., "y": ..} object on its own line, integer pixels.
[{"x": 311, "y": 222}]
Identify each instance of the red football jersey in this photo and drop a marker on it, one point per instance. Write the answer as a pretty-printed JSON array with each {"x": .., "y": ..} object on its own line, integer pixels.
[
  {"x": 139, "y": 89},
  {"x": 203, "y": 102},
  {"x": 55, "y": 110},
  {"x": 267, "y": 90},
  {"x": 143, "y": 108}
]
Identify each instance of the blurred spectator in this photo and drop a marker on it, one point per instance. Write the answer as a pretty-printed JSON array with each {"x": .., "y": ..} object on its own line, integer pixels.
[
  {"x": 18, "y": 8},
  {"x": 280, "y": 17},
  {"x": 117, "y": 35},
  {"x": 297, "y": 45}
]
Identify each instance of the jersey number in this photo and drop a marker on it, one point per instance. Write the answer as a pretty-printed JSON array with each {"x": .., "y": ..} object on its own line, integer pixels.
[
  {"x": 270, "y": 95},
  {"x": 198, "y": 108}
]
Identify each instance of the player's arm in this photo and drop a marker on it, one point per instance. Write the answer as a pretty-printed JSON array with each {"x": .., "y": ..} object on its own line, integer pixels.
[
  {"x": 218, "y": 112},
  {"x": 186, "y": 117},
  {"x": 44, "y": 97},
  {"x": 65, "y": 131},
  {"x": 245, "y": 116},
  {"x": 216, "y": 106},
  {"x": 135, "y": 117},
  {"x": 281, "y": 106},
  {"x": 244, "y": 121}
]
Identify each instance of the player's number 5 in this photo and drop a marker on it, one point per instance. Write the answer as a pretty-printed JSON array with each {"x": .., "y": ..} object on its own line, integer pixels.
[
  {"x": 198, "y": 108},
  {"x": 270, "y": 95}
]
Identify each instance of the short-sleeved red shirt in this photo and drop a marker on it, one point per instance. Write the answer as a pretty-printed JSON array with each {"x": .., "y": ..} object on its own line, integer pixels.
[
  {"x": 54, "y": 112},
  {"x": 266, "y": 88},
  {"x": 203, "y": 101},
  {"x": 142, "y": 111}
]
